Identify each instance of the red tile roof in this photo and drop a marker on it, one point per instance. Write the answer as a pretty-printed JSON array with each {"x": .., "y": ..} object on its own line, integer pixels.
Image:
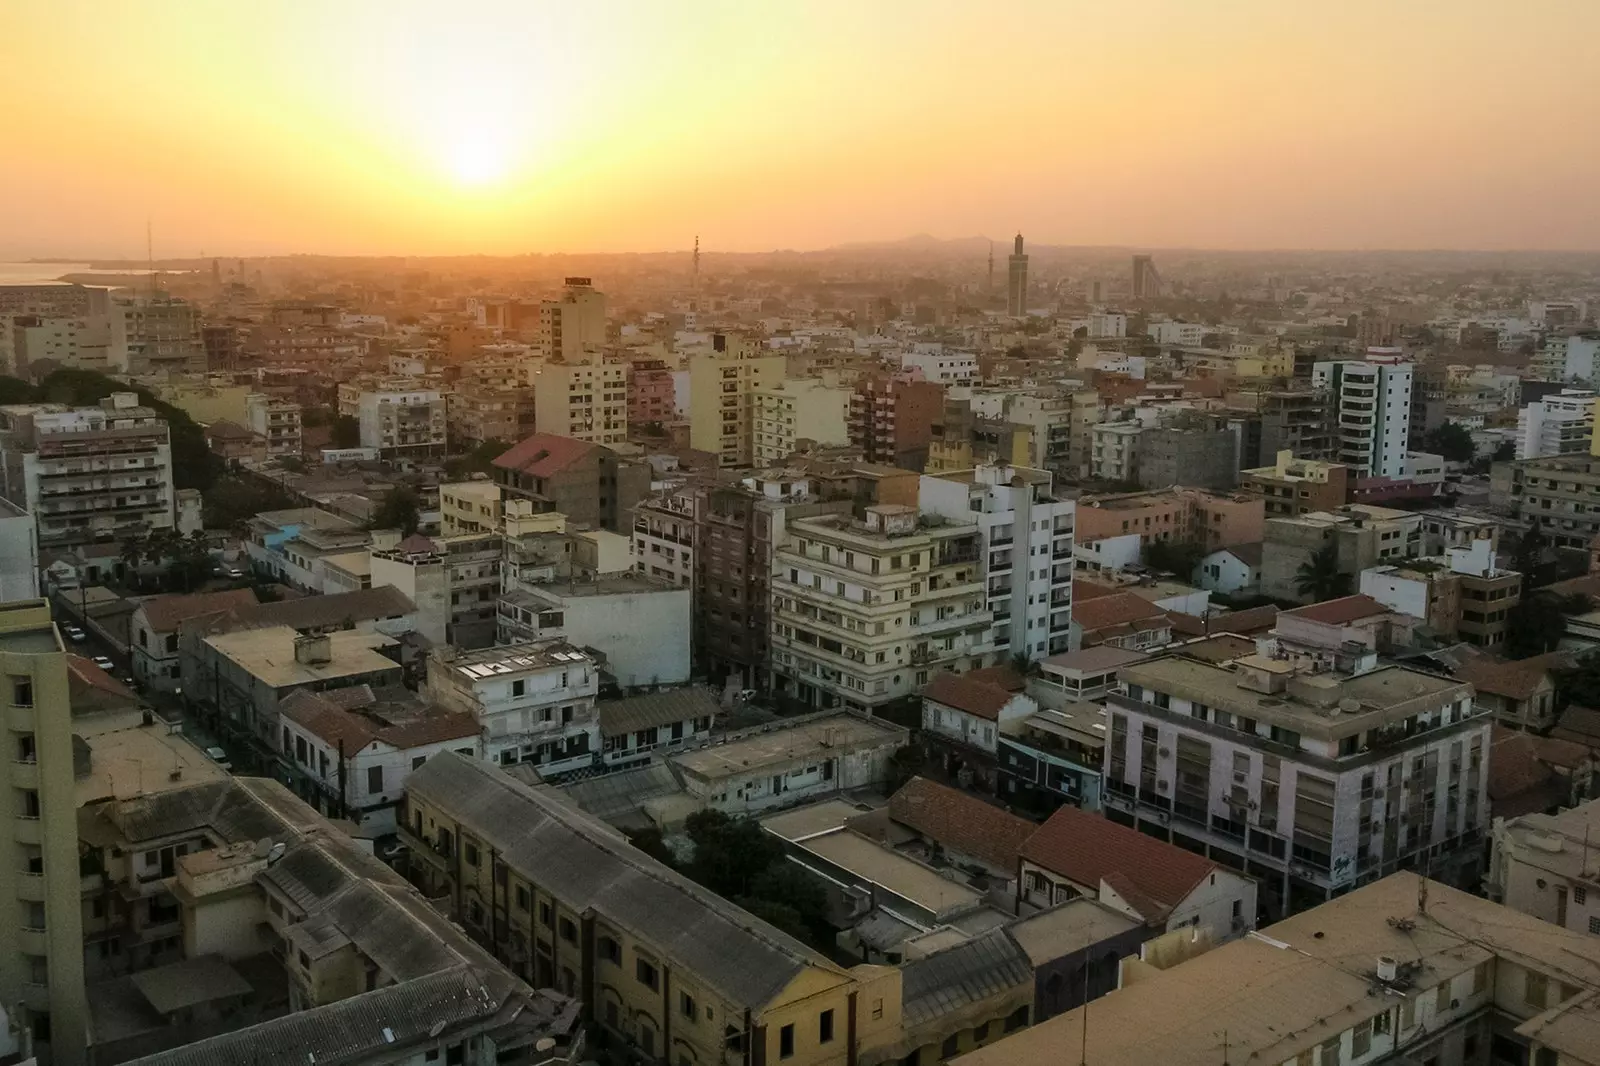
[
  {"x": 961, "y": 822},
  {"x": 964, "y": 694},
  {"x": 1087, "y": 849},
  {"x": 1581, "y": 725},
  {"x": 87, "y": 674},
  {"x": 1250, "y": 621},
  {"x": 1342, "y": 611},
  {"x": 1516, "y": 679},
  {"x": 1117, "y": 609},
  {"x": 543, "y": 455},
  {"x": 166, "y": 614},
  {"x": 327, "y": 719},
  {"x": 1525, "y": 772},
  {"x": 1084, "y": 589}
]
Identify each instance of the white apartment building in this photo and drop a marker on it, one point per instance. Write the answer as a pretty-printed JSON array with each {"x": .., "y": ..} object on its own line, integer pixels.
[
  {"x": 88, "y": 474},
  {"x": 1579, "y": 355},
  {"x": 1373, "y": 404},
  {"x": 1114, "y": 455},
  {"x": 453, "y": 580},
  {"x": 1314, "y": 781},
  {"x": 534, "y": 701},
  {"x": 864, "y": 612},
  {"x": 403, "y": 424},
  {"x": 797, "y": 409},
  {"x": 1105, "y": 325},
  {"x": 1179, "y": 334},
  {"x": 277, "y": 420},
  {"x": 942, "y": 365},
  {"x": 641, "y": 626},
  {"x": 1027, "y": 540},
  {"x": 1556, "y": 425},
  {"x": 78, "y": 343},
  {"x": 1544, "y": 865},
  {"x": 663, "y": 538},
  {"x": 585, "y": 401}
]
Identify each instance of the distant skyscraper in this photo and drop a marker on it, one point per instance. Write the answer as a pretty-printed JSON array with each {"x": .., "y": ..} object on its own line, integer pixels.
[
  {"x": 1146, "y": 282},
  {"x": 1017, "y": 282}
]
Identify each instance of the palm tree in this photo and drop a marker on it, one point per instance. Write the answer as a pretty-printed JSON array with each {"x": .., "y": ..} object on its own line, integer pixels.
[{"x": 1319, "y": 577}]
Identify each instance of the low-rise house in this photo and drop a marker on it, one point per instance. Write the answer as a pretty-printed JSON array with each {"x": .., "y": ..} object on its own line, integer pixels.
[
  {"x": 1120, "y": 619},
  {"x": 1053, "y": 756},
  {"x": 1530, "y": 774},
  {"x": 960, "y": 828},
  {"x": 156, "y": 626},
  {"x": 533, "y": 701},
  {"x": 1544, "y": 865},
  {"x": 1232, "y": 571},
  {"x": 1082, "y": 675},
  {"x": 669, "y": 720},
  {"x": 791, "y": 761},
  {"x": 1521, "y": 693},
  {"x": 1077, "y": 853},
  {"x": 1581, "y": 725},
  {"x": 350, "y": 750},
  {"x": 1325, "y": 633},
  {"x": 970, "y": 709}
]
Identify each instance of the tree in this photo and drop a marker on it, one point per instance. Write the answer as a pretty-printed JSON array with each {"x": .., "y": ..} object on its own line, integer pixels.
[
  {"x": 1178, "y": 557},
  {"x": 190, "y": 564},
  {"x": 346, "y": 432},
  {"x": 1537, "y": 624},
  {"x": 15, "y": 390},
  {"x": 133, "y": 551},
  {"x": 1579, "y": 682},
  {"x": 1451, "y": 440},
  {"x": 1529, "y": 553},
  {"x": 729, "y": 853},
  {"x": 480, "y": 460},
  {"x": 1319, "y": 577},
  {"x": 1506, "y": 452},
  {"x": 399, "y": 510},
  {"x": 650, "y": 841}
]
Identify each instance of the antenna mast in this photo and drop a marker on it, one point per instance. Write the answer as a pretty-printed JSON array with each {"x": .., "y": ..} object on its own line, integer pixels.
[{"x": 150, "y": 253}]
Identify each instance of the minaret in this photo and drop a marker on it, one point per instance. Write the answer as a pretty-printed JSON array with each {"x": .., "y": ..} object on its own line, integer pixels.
[
  {"x": 1017, "y": 281},
  {"x": 990, "y": 289},
  {"x": 694, "y": 289}
]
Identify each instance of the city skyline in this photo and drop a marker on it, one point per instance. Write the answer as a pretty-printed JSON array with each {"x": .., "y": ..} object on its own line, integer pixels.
[{"x": 361, "y": 130}]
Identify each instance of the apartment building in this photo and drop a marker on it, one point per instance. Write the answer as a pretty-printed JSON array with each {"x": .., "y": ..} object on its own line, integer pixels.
[
  {"x": 408, "y": 424},
  {"x": 722, "y": 384},
  {"x": 1372, "y": 401},
  {"x": 1462, "y": 595},
  {"x": 291, "y": 545},
  {"x": 1312, "y": 780},
  {"x": 573, "y": 326},
  {"x": 892, "y": 419},
  {"x": 157, "y": 334},
  {"x": 1362, "y": 536},
  {"x": 1027, "y": 534},
  {"x": 1543, "y": 865},
  {"x": 1208, "y": 520},
  {"x": 1399, "y": 971},
  {"x": 454, "y": 581},
  {"x": 652, "y": 396},
  {"x": 277, "y": 421},
  {"x": 1298, "y": 421},
  {"x": 209, "y": 399},
  {"x": 1561, "y": 494},
  {"x": 40, "y": 344},
  {"x": 479, "y": 415},
  {"x": 795, "y": 410},
  {"x": 591, "y": 484},
  {"x": 1559, "y": 424},
  {"x": 470, "y": 507},
  {"x": 661, "y": 965},
  {"x": 864, "y": 611},
  {"x": 89, "y": 474},
  {"x": 1188, "y": 449},
  {"x": 585, "y": 401},
  {"x": 533, "y": 701},
  {"x": 1115, "y": 455},
  {"x": 638, "y": 625},
  {"x": 41, "y": 971},
  {"x": 1294, "y": 486},
  {"x": 664, "y": 535}
]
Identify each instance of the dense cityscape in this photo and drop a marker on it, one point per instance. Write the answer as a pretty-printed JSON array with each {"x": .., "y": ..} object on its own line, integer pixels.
[{"x": 799, "y": 534}]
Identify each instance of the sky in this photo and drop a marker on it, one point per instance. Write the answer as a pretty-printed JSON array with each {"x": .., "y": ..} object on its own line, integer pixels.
[{"x": 404, "y": 127}]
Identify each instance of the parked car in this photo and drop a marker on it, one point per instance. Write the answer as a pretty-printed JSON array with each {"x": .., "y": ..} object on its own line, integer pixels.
[
  {"x": 104, "y": 663},
  {"x": 218, "y": 756},
  {"x": 76, "y": 635}
]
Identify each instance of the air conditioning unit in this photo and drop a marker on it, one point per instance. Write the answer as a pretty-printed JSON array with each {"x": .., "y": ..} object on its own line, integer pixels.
[
  {"x": 1164, "y": 752},
  {"x": 1239, "y": 779},
  {"x": 1161, "y": 786}
]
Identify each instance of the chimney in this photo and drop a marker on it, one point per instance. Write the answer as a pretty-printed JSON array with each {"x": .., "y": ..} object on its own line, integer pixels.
[{"x": 314, "y": 650}]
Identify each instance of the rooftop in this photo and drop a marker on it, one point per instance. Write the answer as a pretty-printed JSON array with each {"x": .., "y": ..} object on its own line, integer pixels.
[
  {"x": 975, "y": 696},
  {"x": 620, "y": 717},
  {"x": 543, "y": 454},
  {"x": 1307, "y": 979},
  {"x": 873, "y": 863},
  {"x": 1096, "y": 660},
  {"x": 165, "y": 614},
  {"x": 1565, "y": 844},
  {"x": 1339, "y": 612},
  {"x": 740, "y": 755},
  {"x": 128, "y": 758},
  {"x": 623, "y": 584},
  {"x": 268, "y": 655},
  {"x": 1117, "y": 609},
  {"x": 1069, "y": 927},
  {"x": 961, "y": 822},
  {"x": 509, "y": 659}
]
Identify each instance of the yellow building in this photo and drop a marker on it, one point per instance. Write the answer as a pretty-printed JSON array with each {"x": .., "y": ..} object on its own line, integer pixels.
[
  {"x": 208, "y": 401},
  {"x": 41, "y": 968},
  {"x": 792, "y": 410},
  {"x": 722, "y": 384},
  {"x": 573, "y": 325},
  {"x": 671, "y": 969},
  {"x": 469, "y": 507},
  {"x": 585, "y": 401}
]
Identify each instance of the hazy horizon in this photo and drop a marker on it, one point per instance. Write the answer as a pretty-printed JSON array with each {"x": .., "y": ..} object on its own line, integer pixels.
[{"x": 505, "y": 128}]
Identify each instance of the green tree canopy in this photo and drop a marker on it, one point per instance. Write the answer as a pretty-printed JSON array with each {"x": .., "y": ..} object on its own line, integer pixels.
[
  {"x": 399, "y": 510},
  {"x": 1451, "y": 440},
  {"x": 1537, "y": 623},
  {"x": 1319, "y": 577},
  {"x": 730, "y": 853},
  {"x": 346, "y": 432}
]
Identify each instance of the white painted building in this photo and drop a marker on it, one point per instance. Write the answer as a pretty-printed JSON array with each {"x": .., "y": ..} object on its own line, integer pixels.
[
  {"x": 1108, "y": 324},
  {"x": 794, "y": 410},
  {"x": 1373, "y": 409},
  {"x": 1559, "y": 424},
  {"x": 1115, "y": 452},
  {"x": 1180, "y": 334},
  {"x": 640, "y": 625},
  {"x": 1028, "y": 561},
  {"x": 1320, "y": 780},
  {"x": 943, "y": 365},
  {"x": 533, "y": 701},
  {"x": 1230, "y": 570},
  {"x": 400, "y": 424},
  {"x": 277, "y": 421},
  {"x": 663, "y": 537},
  {"x": 970, "y": 712},
  {"x": 1581, "y": 353}
]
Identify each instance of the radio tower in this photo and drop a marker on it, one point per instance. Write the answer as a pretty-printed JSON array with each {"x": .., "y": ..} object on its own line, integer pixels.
[
  {"x": 694, "y": 294},
  {"x": 991, "y": 267}
]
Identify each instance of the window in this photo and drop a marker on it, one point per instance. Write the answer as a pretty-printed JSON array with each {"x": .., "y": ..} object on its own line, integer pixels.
[
  {"x": 645, "y": 973},
  {"x": 374, "y": 779},
  {"x": 1016, "y": 1019},
  {"x": 569, "y": 931},
  {"x": 544, "y": 915},
  {"x": 951, "y": 1045},
  {"x": 1361, "y": 1039},
  {"x": 786, "y": 1042},
  {"x": 1328, "y": 1054},
  {"x": 877, "y": 1009},
  {"x": 1580, "y": 895},
  {"x": 522, "y": 898},
  {"x": 608, "y": 949},
  {"x": 1480, "y": 976},
  {"x": 981, "y": 1033},
  {"x": 825, "y": 1027},
  {"x": 686, "y": 1005},
  {"x": 1535, "y": 989},
  {"x": 518, "y": 687},
  {"x": 469, "y": 852},
  {"x": 22, "y": 692}
]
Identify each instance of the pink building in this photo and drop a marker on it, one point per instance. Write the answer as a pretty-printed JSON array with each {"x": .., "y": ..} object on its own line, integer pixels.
[
  {"x": 1210, "y": 519},
  {"x": 650, "y": 393}
]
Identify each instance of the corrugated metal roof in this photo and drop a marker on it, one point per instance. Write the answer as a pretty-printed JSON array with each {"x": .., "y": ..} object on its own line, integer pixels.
[
  {"x": 655, "y": 709},
  {"x": 951, "y": 979},
  {"x": 580, "y": 859}
]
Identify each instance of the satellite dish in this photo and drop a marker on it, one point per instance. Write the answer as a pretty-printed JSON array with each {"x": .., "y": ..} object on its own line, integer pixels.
[{"x": 545, "y": 1043}]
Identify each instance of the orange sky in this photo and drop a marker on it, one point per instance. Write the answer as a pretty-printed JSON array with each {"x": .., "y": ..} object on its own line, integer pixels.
[{"x": 343, "y": 126}]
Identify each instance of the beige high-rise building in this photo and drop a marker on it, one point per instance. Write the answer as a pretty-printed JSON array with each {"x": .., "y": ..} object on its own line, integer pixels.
[
  {"x": 584, "y": 401},
  {"x": 722, "y": 384},
  {"x": 791, "y": 411},
  {"x": 41, "y": 967},
  {"x": 574, "y": 325},
  {"x": 156, "y": 333}
]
